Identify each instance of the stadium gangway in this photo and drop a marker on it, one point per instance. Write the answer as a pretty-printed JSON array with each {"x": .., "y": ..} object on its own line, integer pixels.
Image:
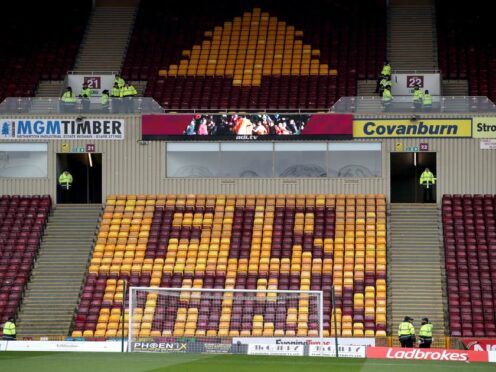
[
  {"x": 404, "y": 105},
  {"x": 53, "y": 105}
]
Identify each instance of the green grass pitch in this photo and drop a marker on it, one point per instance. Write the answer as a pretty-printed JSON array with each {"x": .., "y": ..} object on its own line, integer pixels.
[{"x": 155, "y": 362}]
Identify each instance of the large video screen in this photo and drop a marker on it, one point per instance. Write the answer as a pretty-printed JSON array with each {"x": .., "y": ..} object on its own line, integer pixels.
[{"x": 246, "y": 127}]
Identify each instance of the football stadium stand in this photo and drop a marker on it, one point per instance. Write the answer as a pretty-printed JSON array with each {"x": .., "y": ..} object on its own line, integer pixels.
[
  {"x": 22, "y": 221},
  {"x": 466, "y": 46},
  {"x": 470, "y": 248},
  {"x": 241, "y": 242},
  {"x": 39, "y": 45},
  {"x": 336, "y": 231},
  {"x": 281, "y": 56}
]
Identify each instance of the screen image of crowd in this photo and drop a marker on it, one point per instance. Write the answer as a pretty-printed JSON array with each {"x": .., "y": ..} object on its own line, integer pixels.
[{"x": 248, "y": 125}]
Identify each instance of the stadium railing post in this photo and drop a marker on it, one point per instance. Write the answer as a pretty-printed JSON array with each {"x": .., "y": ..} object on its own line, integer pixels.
[
  {"x": 333, "y": 298},
  {"x": 123, "y": 314}
]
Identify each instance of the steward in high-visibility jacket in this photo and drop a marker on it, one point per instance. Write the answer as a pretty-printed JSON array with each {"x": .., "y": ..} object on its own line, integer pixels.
[
  {"x": 427, "y": 100},
  {"x": 417, "y": 95},
  {"x": 387, "y": 99},
  {"x": 65, "y": 180},
  {"x": 68, "y": 96},
  {"x": 406, "y": 332},
  {"x": 119, "y": 81},
  {"x": 385, "y": 83},
  {"x": 105, "y": 101},
  {"x": 128, "y": 91},
  {"x": 9, "y": 329},
  {"x": 116, "y": 91},
  {"x": 425, "y": 334},
  {"x": 386, "y": 69},
  {"x": 85, "y": 92},
  {"x": 427, "y": 178}
]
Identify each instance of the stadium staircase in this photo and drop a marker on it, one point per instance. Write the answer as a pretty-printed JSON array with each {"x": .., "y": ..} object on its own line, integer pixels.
[
  {"x": 53, "y": 291},
  {"x": 412, "y": 37},
  {"x": 106, "y": 39},
  {"x": 46, "y": 89},
  {"x": 416, "y": 266},
  {"x": 50, "y": 88},
  {"x": 366, "y": 87},
  {"x": 455, "y": 88}
]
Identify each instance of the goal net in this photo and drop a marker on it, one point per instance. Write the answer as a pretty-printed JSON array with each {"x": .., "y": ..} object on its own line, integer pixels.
[{"x": 187, "y": 319}]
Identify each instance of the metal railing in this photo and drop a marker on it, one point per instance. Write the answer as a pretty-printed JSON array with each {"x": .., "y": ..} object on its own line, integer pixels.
[
  {"x": 147, "y": 105},
  {"x": 54, "y": 105},
  {"x": 405, "y": 105}
]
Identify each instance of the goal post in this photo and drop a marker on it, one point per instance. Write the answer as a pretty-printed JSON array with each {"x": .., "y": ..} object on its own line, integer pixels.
[{"x": 166, "y": 316}]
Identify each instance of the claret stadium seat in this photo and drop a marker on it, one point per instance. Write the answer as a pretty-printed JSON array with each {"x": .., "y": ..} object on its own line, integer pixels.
[
  {"x": 469, "y": 230},
  {"x": 466, "y": 48},
  {"x": 39, "y": 44},
  {"x": 253, "y": 242},
  {"x": 22, "y": 222},
  {"x": 240, "y": 55}
]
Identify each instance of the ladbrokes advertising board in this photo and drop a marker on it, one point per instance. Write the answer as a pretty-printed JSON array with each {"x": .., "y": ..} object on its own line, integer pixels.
[
  {"x": 427, "y": 354},
  {"x": 397, "y": 128}
]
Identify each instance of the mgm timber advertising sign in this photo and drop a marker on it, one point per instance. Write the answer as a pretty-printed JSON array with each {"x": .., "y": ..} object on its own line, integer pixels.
[
  {"x": 402, "y": 128},
  {"x": 62, "y": 129}
]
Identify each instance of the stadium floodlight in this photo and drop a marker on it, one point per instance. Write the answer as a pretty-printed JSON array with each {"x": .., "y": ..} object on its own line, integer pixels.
[{"x": 166, "y": 316}]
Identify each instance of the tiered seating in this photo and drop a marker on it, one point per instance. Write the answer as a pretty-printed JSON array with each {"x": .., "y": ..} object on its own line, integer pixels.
[
  {"x": 466, "y": 47},
  {"x": 39, "y": 43},
  {"x": 227, "y": 54},
  {"x": 296, "y": 242},
  {"x": 470, "y": 244},
  {"x": 22, "y": 221}
]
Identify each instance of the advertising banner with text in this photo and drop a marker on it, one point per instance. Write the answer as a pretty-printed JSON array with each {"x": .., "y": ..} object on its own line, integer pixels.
[
  {"x": 207, "y": 127},
  {"x": 423, "y": 128},
  {"x": 72, "y": 346},
  {"x": 484, "y": 127},
  {"x": 488, "y": 144},
  {"x": 427, "y": 354},
  {"x": 344, "y": 351},
  {"x": 282, "y": 350},
  {"x": 62, "y": 129},
  {"x": 354, "y": 341},
  {"x": 482, "y": 344}
]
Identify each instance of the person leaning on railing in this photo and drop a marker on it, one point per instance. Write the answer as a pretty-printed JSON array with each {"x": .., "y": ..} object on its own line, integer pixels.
[
  {"x": 105, "y": 101},
  {"x": 387, "y": 99},
  {"x": 127, "y": 93},
  {"x": 417, "y": 98},
  {"x": 68, "y": 101},
  {"x": 426, "y": 101},
  {"x": 85, "y": 96}
]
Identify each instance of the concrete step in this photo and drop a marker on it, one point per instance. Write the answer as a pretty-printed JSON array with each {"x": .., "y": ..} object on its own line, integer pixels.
[
  {"x": 415, "y": 264},
  {"x": 95, "y": 53},
  {"x": 53, "y": 292}
]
